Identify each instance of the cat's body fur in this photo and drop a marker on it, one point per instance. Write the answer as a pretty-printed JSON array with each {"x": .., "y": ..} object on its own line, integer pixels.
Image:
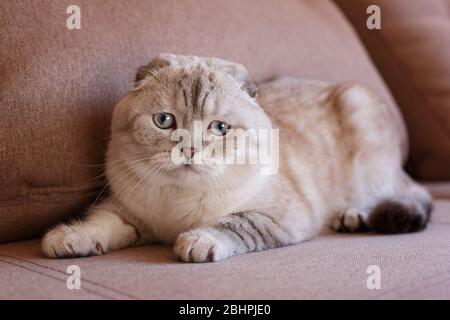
[{"x": 341, "y": 159}]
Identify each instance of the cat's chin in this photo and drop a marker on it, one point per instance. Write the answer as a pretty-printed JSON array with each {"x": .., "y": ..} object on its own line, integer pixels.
[{"x": 192, "y": 172}]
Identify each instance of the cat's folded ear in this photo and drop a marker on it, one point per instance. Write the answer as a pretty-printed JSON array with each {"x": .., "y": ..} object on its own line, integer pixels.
[
  {"x": 250, "y": 87},
  {"x": 237, "y": 71},
  {"x": 150, "y": 68},
  {"x": 161, "y": 61}
]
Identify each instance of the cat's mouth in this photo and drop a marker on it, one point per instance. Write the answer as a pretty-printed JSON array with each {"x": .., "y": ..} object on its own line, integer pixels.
[
  {"x": 197, "y": 169},
  {"x": 189, "y": 168},
  {"x": 192, "y": 169}
]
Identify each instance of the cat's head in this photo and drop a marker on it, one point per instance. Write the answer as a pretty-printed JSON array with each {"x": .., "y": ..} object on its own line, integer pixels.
[{"x": 182, "y": 108}]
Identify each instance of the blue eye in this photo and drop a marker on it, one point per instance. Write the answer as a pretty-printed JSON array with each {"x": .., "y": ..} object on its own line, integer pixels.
[
  {"x": 219, "y": 128},
  {"x": 164, "y": 120}
]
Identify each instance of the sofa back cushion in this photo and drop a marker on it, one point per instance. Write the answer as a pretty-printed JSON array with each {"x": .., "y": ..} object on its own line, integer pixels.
[
  {"x": 58, "y": 86},
  {"x": 412, "y": 51}
]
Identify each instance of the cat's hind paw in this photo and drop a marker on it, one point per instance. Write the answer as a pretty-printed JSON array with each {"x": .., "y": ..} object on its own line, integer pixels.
[
  {"x": 351, "y": 220},
  {"x": 200, "y": 246},
  {"x": 66, "y": 241}
]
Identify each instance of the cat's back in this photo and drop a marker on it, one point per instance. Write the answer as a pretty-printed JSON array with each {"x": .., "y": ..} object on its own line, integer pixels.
[
  {"x": 341, "y": 118},
  {"x": 325, "y": 132}
]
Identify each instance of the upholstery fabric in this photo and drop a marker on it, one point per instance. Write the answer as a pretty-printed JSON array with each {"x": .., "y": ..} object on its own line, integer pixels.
[
  {"x": 412, "y": 51},
  {"x": 332, "y": 266},
  {"x": 58, "y": 86}
]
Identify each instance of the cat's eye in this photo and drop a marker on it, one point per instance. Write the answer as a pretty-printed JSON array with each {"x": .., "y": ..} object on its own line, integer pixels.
[
  {"x": 219, "y": 128},
  {"x": 164, "y": 120}
]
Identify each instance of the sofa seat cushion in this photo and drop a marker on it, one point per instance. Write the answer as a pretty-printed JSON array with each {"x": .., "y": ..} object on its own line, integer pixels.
[{"x": 332, "y": 266}]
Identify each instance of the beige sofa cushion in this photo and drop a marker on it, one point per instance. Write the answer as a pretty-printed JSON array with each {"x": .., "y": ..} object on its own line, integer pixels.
[
  {"x": 412, "y": 51},
  {"x": 333, "y": 266},
  {"x": 58, "y": 86}
]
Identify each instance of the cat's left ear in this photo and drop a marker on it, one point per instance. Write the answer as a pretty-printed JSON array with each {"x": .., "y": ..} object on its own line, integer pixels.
[
  {"x": 251, "y": 88},
  {"x": 240, "y": 73},
  {"x": 237, "y": 71}
]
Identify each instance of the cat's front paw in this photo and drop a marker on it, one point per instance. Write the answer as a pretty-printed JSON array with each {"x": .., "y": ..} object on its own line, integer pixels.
[
  {"x": 69, "y": 241},
  {"x": 200, "y": 246}
]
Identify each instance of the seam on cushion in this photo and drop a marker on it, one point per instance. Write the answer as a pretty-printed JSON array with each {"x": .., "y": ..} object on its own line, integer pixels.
[
  {"x": 437, "y": 196},
  {"x": 440, "y": 197},
  {"x": 417, "y": 92},
  {"x": 130, "y": 296},
  {"x": 26, "y": 199},
  {"x": 54, "y": 190},
  {"x": 52, "y": 277},
  {"x": 67, "y": 188}
]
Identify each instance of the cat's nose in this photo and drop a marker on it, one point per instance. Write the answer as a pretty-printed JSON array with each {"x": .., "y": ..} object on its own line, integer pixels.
[{"x": 188, "y": 152}]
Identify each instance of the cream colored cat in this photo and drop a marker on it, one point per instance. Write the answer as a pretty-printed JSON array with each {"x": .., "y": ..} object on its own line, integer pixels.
[{"x": 341, "y": 155}]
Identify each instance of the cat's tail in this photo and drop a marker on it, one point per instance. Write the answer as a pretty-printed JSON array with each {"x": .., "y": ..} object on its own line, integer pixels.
[{"x": 409, "y": 212}]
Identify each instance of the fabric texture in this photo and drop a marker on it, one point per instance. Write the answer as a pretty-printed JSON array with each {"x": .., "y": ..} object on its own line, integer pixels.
[
  {"x": 332, "y": 266},
  {"x": 412, "y": 51},
  {"x": 58, "y": 86}
]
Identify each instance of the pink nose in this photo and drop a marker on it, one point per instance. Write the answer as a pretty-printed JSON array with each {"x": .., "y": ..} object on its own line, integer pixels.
[{"x": 188, "y": 152}]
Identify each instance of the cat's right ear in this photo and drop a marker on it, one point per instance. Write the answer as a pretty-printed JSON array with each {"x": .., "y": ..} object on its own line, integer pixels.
[{"x": 150, "y": 69}]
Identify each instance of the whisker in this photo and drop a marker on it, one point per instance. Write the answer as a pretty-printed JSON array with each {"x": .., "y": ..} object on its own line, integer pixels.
[
  {"x": 103, "y": 174},
  {"x": 116, "y": 196},
  {"x": 136, "y": 185},
  {"x": 154, "y": 179},
  {"x": 109, "y": 183}
]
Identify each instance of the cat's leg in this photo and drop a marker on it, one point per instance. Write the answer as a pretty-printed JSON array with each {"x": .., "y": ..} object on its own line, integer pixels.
[
  {"x": 240, "y": 233},
  {"x": 99, "y": 232}
]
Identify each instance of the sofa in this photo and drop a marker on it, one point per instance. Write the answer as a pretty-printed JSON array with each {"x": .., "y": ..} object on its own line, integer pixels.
[{"x": 59, "y": 85}]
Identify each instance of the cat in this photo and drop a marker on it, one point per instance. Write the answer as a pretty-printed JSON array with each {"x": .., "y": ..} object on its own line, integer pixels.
[{"x": 340, "y": 166}]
